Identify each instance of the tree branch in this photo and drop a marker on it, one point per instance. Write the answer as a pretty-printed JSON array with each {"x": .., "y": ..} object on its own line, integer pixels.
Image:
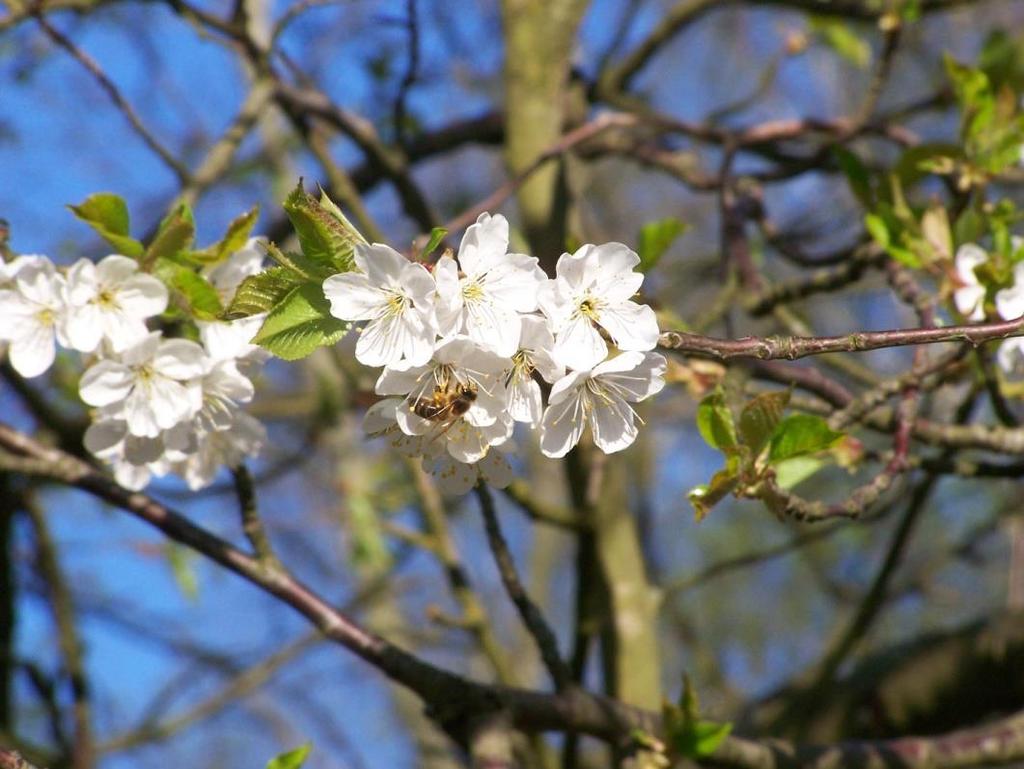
[{"x": 794, "y": 347}]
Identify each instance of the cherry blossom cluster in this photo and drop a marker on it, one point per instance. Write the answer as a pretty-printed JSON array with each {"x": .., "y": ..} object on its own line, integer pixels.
[
  {"x": 969, "y": 298},
  {"x": 464, "y": 347},
  {"x": 160, "y": 405}
]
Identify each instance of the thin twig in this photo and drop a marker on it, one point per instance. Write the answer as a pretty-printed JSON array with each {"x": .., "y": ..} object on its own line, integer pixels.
[
  {"x": 530, "y": 613},
  {"x": 252, "y": 524},
  {"x": 794, "y": 347},
  {"x": 94, "y": 69}
]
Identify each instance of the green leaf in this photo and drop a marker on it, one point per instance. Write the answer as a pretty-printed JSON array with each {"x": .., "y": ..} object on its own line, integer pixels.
[
  {"x": 937, "y": 232},
  {"x": 300, "y": 323},
  {"x": 293, "y": 759},
  {"x": 175, "y": 234},
  {"x": 857, "y": 175},
  {"x": 192, "y": 292},
  {"x": 970, "y": 226},
  {"x": 688, "y": 735},
  {"x": 790, "y": 472},
  {"x": 689, "y": 703},
  {"x": 234, "y": 239},
  {"x": 760, "y": 417},
  {"x": 878, "y": 229},
  {"x": 182, "y": 563},
  {"x": 929, "y": 157},
  {"x": 107, "y": 213},
  {"x": 436, "y": 236},
  {"x": 715, "y": 422},
  {"x": 705, "y": 738},
  {"x": 706, "y": 496},
  {"x": 325, "y": 234},
  {"x": 260, "y": 293},
  {"x": 842, "y": 38},
  {"x": 800, "y": 434},
  {"x": 369, "y": 550},
  {"x": 300, "y": 265},
  {"x": 655, "y": 239},
  {"x": 1002, "y": 59}
]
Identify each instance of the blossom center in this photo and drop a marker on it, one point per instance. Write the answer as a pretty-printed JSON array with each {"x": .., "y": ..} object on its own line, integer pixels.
[
  {"x": 590, "y": 307},
  {"x": 473, "y": 291},
  {"x": 107, "y": 300},
  {"x": 396, "y": 304},
  {"x": 144, "y": 374},
  {"x": 46, "y": 317},
  {"x": 522, "y": 365}
]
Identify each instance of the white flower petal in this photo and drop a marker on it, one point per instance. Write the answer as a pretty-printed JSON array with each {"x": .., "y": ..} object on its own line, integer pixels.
[
  {"x": 84, "y": 329},
  {"x": 81, "y": 283},
  {"x": 495, "y": 469},
  {"x": 635, "y": 375},
  {"x": 612, "y": 425},
  {"x": 576, "y": 271},
  {"x": 105, "y": 439},
  {"x": 116, "y": 269},
  {"x": 969, "y": 300},
  {"x": 33, "y": 353},
  {"x": 382, "y": 264},
  {"x": 179, "y": 359},
  {"x": 1010, "y": 355},
  {"x": 1010, "y": 301},
  {"x": 524, "y": 400},
  {"x": 632, "y": 326},
  {"x": 400, "y": 379},
  {"x": 515, "y": 281},
  {"x": 232, "y": 339},
  {"x": 562, "y": 426},
  {"x": 579, "y": 345},
  {"x": 484, "y": 243},
  {"x": 493, "y": 327},
  {"x": 142, "y": 296},
  {"x": 143, "y": 351},
  {"x": 354, "y": 297},
  {"x": 454, "y": 478},
  {"x": 466, "y": 443},
  {"x": 615, "y": 280},
  {"x": 419, "y": 285},
  {"x": 380, "y": 417},
  {"x": 448, "y": 298},
  {"x": 105, "y": 383}
]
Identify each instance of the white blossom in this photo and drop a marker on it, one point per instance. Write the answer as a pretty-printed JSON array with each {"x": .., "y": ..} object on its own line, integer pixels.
[
  {"x": 110, "y": 300},
  {"x": 494, "y": 287},
  {"x": 228, "y": 447},
  {"x": 468, "y": 458},
  {"x": 455, "y": 478},
  {"x": 228, "y": 275},
  {"x": 969, "y": 295},
  {"x": 600, "y": 398},
  {"x": 1010, "y": 355},
  {"x": 380, "y": 421},
  {"x": 1010, "y": 300},
  {"x": 396, "y": 297},
  {"x": 592, "y": 288},
  {"x": 133, "y": 459},
  {"x": 32, "y": 314},
  {"x": 223, "y": 388},
  {"x": 9, "y": 270},
  {"x": 151, "y": 386},
  {"x": 225, "y": 340},
  {"x": 534, "y": 354},
  {"x": 457, "y": 363}
]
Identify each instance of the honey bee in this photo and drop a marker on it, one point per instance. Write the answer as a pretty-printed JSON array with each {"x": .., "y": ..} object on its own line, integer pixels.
[{"x": 446, "y": 404}]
